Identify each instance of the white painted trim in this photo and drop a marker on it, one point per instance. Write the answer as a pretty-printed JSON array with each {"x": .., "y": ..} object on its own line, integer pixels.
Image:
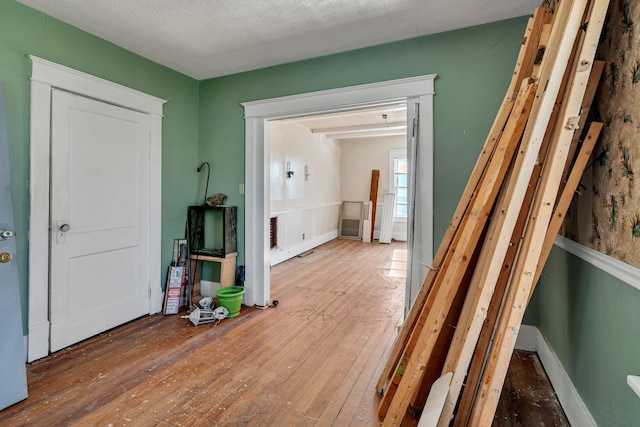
[
  {"x": 571, "y": 402},
  {"x": 618, "y": 269},
  {"x": 399, "y": 153},
  {"x": 47, "y": 75},
  {"x": 156, "y": 297},
  {"x": 634, "y": 383},
  {"x": 306, "y": 208},
  {"x": 61, "y": 77},
  {"x": 348, "y": 98},
  {"x": 527, "y": 339},
  {"x": 257, "y": 194},
  {"x": 281, "y": 256}
]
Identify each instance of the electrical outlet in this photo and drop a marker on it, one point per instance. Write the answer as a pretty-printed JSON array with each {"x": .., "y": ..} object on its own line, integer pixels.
[{"x": 303, "y": 236}]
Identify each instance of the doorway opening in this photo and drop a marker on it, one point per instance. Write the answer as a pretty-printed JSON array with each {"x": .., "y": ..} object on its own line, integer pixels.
[
  {"x": 321, "y": 170},
  {"x": 417, "y": 92}
]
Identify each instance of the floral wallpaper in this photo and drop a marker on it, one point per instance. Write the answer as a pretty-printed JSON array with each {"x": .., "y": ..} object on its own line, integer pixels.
[{"x": 605, "y": 214}]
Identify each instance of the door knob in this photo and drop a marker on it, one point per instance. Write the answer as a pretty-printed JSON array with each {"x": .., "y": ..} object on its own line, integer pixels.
[
  {"x": 65, "y": 227},
  {"x": 6, "y": 234},
  {"x": 5, "y": 257}
]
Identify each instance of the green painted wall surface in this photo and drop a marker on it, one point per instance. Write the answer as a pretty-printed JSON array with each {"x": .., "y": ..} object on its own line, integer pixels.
[
  {"x": 592, "y": 322},
  {"x": 24, "y": 31},
  {"x": 474, "y": 67}
]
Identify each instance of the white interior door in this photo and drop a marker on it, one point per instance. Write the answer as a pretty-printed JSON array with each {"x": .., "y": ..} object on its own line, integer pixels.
[{"x": 100, "y": 216}]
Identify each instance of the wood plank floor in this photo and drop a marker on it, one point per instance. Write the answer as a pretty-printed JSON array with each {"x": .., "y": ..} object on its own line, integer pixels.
[{"x": 311, "y": 361}]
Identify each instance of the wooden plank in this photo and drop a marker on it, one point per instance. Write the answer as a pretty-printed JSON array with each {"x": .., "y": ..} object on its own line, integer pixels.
[
  {"x": 484, "y": 341},
  {"x": 529, "y": 57},
  {"x": 493, "y": 276},
  {"x": 545, "y": 106},
  {"x": 456, "y": 357},
  {"x": 478, "y": 361},
  {"x": 542, "y": 47},
  {"x": 438, "y": 356},
  {"x": 524, "y": 272},
  {"x": 416, "y": 331},
  {"x": 525, "y": 57},
  {"x": 590, "y": 92},
  {"x": 445, "y": 286},
  {"x": 567, "y": 194},
  {"x": 373, "y": 197},
  {"x": 487, "y": 334},
  {"x": 493, "y": 311},
  {"x": 462, "y": 346}
]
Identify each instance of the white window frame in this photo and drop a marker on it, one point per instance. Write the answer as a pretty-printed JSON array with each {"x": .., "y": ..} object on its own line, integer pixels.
[{"x": 393, "y": 156}]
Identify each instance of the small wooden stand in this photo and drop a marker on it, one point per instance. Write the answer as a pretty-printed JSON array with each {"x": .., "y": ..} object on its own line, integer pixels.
[{"x": 227, "y": 268}]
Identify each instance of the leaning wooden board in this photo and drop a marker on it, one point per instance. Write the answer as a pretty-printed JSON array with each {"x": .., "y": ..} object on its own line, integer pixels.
[
  {"x": 574, "y": 33},
  {"x": 373, "y": 197},
  {"x": 524, "y": 67},
  {"x": 524, "y": 272}
]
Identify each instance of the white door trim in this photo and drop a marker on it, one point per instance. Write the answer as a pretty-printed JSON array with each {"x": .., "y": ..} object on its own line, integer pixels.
[
  {"x": 257, "y": 197},
  {"x": 46, "y": 75}
]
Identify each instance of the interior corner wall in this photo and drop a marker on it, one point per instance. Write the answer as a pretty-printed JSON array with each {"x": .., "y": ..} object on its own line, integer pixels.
[
  {"x": 25, "y": 31},
  {"x": 474, "y": 68},
  {"x": 359, "y": 157}
]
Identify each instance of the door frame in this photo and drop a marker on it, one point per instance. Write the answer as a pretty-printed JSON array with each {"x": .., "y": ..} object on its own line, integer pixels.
[
  {"x": 257, "y": 194},
  {"x": 46, "y": 75}
]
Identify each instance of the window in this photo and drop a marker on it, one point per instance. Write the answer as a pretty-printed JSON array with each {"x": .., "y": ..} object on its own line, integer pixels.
[{"x": 399, "y": 182}]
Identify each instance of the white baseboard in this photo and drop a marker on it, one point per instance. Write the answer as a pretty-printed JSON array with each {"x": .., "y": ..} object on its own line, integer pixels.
[
  {"x": 278, "y": 256},
  {"x": 528, "y": 338},
  {"x": 531, "y": 339}
]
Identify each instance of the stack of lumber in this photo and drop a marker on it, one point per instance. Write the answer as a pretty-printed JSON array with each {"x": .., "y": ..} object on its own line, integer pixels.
[{"x": 464, "y": 322}]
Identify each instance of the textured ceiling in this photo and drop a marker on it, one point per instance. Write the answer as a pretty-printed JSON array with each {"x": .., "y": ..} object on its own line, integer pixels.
[{"x": 211, "y": 38}]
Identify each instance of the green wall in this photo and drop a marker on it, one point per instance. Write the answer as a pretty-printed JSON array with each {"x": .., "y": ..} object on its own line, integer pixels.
[
  {"x": 592, "y": 322},
  {"x": 474, "y": 67},
  {"x": 24, "y": 31}
]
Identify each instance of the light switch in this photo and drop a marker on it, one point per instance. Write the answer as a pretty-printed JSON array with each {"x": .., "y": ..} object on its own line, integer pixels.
[{"x": 241, "y": 188}]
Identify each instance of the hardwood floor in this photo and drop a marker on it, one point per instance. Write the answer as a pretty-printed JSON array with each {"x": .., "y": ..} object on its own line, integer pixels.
[{"x": 311, "y": 361}]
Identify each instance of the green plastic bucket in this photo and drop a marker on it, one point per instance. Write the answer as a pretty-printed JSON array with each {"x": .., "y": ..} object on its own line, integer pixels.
[{"x": 230, "y": 297}]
